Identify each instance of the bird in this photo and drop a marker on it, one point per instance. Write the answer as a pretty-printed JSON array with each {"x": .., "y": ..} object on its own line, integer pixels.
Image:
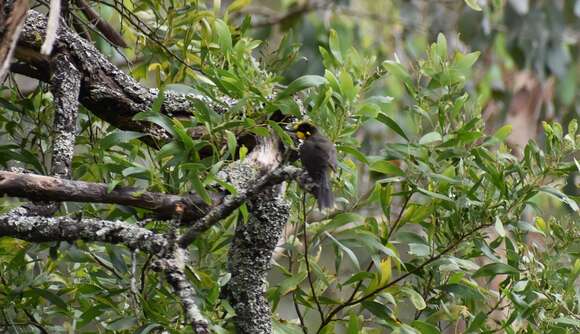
[{"x": 318, "y": 156}]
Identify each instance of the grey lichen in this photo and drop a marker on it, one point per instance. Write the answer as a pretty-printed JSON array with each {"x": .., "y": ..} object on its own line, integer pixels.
[{"x": 18, "y": 224}]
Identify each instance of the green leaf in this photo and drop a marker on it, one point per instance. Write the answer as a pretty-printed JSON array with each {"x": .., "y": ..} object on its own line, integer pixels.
[
  {"x": 283, "y": 135},
  {"x": 435, "y": 195},
  {"x": 359, "y": 277},
  {"x": 386, "y": 167},
  {"x": 302, "y": 83},
  {"x": 341, "y": 220},
  {"x": 122, "y": 324},
  {"x": 415, "y": 298},
  {"x": 430, "y": 138},
  {"x": 155, "y": 117},
  {"x": 345, "y": 249},
  {"x": 568, "y": 321},
  {"x": 51, "y": 297},
  {"x": 232, "y": 143},
  {"x": 354, "y": 152},
  {"x": 291, "y": 283},
  {"x": 561, "y": 196},
  {"x": 199, "y": 188},
  {"x": 473, "y": 4},
  {"x": 260, "y": 131},
  {"x": 145, "y": 329},
  {"x": 119, "y": 137},
  {"x": 476, "y": 323},
  {"x": 494, "y": 269},
  {"x": 424, "y": 327},
  {"x": 354, "y": 325},
  {"x": 442, "y": 46},
  {"x": 464, "y": 62},
  {"x": 499, "y": 227},
  {"x": 392, "y": 124},
  {"x": 238, "y": 5},
  {"x": 502, "y": 133},
  {"x": 399, "y": 72},
  {"x": 334, "y": 46},
  {"x": 223, "y": 35}
]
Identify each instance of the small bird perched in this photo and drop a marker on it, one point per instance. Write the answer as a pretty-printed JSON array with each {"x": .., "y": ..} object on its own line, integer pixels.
[{"x": 318, "y": 155}]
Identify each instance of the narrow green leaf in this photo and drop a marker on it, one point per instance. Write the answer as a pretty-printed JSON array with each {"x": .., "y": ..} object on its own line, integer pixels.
[
  {"x": 223, "y": 35},
  {"x": 199, "y": 188},
  {"x": 386, "y": 167},
  {"x": 415, "y": 298},
  {"x": 119, "y": 137},
  {"x": 237, "y": 5},
  {"x": 345, "y": 249},
  {"x": 561, "y": 196},
  {"x": 502, "y": 133},
  {"x": 291, "y": 283},
  {"x": 430, "y": 138},
  {"x": 302, "y": 83},
  {"x": 494, "y": 269},
  {"x": 473, "y": 5},
  {"x": 381, "y": 117},
  {"x": 435, "y": 195},
  {"x": 424, "y": 327},
  {"x": 51, "y": 297}
]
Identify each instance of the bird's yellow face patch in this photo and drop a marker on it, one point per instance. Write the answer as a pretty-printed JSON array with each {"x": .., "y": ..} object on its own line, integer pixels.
[{"x": 303, "y": 135}]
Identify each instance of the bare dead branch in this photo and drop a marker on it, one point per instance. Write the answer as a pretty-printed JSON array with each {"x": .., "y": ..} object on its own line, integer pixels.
[
  {"x": 104, "y": 27},
  {"x": 10, "y": 26},
  {"x": 46, "y": 188}
]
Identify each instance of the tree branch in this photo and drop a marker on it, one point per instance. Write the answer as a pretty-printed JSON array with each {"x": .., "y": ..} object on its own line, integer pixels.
[
  {"x": 17, "y": 224},
  {"x": 105, "y": 90},
  {"x": 65, "y": 86},
  {"x": 11, "y": 21},
  {"x": 232, "y": 203},
  {"x": 38, "y": 187}
]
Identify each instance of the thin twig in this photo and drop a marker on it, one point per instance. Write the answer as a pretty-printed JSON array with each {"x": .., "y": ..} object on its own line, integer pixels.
[{"x": 308, "y": 271}]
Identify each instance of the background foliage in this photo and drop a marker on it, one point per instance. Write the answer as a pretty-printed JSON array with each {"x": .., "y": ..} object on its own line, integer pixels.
[{"x": 432, "y": 202}]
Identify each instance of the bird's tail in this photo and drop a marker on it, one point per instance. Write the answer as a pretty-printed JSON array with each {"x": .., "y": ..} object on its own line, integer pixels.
[{"x": 325, "y": 197}]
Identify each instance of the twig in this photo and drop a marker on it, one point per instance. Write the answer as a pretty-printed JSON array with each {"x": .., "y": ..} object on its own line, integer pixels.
[{"x": 307, "y": 261}]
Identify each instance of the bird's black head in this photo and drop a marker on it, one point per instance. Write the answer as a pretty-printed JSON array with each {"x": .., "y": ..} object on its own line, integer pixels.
[{"x": 304, "y": 130}]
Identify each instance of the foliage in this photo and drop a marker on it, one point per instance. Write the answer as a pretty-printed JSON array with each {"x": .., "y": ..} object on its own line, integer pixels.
[{"x": 422, "y": 225}]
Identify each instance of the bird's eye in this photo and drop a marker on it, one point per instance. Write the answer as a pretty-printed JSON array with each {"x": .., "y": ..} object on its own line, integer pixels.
[{"x": 308, "y": 133}]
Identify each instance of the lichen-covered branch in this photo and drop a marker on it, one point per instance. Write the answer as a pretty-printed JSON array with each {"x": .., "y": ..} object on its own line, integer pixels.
[
  {"x": 254, "y": 242},
  {"x": 173, "y": 266},
  {"x": 45, "y": 188},
  {"x": 65, "y": 87},
  {"x": 18, "y": 224},
  {"x": 233, "y": 202}
]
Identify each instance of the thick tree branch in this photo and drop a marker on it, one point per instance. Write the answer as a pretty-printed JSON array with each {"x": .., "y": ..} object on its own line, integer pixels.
[
  {"x": 46, "y": 188},
  {"x": 255, "y": 240},
  {"x": 17, "y": 224},
  {"x": 105, "y": 90}
]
